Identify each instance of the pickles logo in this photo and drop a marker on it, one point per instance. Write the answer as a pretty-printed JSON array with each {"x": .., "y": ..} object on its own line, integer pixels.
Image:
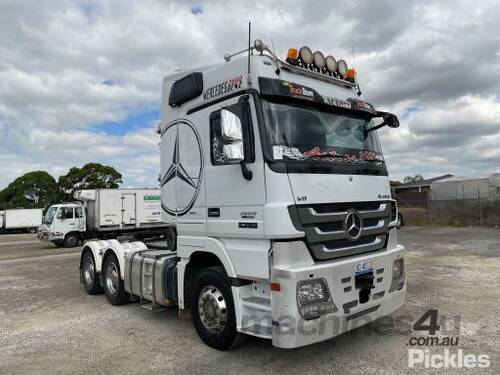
[{"x": 185, "y": 182}]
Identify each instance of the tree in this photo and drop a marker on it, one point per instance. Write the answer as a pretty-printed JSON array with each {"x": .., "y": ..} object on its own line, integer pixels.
[
  {"x": 36, "y": 189},
  {"x": 90, "y": 176},
  {"x": 413, "y": 179}
]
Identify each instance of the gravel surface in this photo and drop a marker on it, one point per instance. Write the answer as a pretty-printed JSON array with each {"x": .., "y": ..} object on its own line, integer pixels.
[{"x": 49, "y": 325}]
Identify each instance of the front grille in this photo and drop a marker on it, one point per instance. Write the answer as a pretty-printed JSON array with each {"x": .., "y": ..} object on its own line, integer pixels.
[{"x": 325, "y": 229}]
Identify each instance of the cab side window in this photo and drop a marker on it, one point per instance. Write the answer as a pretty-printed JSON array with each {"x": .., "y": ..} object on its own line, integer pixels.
[
  {"x": 217, "y": 142},
  {"x": 67, "y": 212}
]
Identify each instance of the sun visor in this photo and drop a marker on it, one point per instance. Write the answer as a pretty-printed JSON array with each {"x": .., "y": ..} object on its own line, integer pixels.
[{"x": 185, "y": 89}]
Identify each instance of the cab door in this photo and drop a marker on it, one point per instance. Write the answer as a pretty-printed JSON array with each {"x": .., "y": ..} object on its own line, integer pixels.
[
  {"x": 234, "y": 202},
  {"x": 182, "y": 185}
]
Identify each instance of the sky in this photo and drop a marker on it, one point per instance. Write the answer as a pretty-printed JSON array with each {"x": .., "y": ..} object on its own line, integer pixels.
[{"x": 80, "y": 81}]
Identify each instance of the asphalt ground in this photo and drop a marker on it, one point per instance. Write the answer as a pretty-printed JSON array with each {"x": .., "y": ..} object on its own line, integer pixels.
[{"x": 49, "y": 325}]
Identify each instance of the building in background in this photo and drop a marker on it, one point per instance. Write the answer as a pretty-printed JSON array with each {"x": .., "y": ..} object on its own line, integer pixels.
[
  {"x": 415, "y": 194},
  {"x": 465, "y": 189}
]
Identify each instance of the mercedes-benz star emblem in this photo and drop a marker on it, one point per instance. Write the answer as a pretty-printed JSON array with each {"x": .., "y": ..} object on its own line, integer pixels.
[
  {"x": 353, "y": 225},
  {"x": 189, "y": 184}
]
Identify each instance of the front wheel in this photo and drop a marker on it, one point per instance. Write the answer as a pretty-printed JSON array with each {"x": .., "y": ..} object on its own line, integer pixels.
[
  {"x": 71, "y": 240},
  {"x": 113, "y": 285},
  {"x": 212, "y": 310}
]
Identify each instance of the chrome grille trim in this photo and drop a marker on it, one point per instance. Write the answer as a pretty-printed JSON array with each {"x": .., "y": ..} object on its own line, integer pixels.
[{"x": 325, "y": 233}]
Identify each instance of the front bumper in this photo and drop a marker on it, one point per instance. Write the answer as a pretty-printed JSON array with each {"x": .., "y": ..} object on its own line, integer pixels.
[
  {"x": 46, "y": 235},
  {"x": 290, "y": 330}
]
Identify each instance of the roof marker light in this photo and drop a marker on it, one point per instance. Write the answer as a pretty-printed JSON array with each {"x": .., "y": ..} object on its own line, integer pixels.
[
  {"x": 291, "y": 56},
  {"x": 350, "y": 76}
]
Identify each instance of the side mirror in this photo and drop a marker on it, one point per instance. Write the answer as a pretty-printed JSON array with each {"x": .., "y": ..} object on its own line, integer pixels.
[
  {"x": 391, "y": 120},
  {"x": 232, "y": 135}
]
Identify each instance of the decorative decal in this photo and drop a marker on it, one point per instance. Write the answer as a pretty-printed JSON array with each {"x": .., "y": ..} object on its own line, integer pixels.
[{"x": 177, "y": 174}]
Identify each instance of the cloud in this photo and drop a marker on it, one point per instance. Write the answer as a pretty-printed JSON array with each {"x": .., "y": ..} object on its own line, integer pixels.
[{"x": 71, "y": 68}]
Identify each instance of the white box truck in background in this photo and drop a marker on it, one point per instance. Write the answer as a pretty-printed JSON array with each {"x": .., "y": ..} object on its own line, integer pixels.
[
  {"x": 103, "y": 214},
  {"x": 20, "y": 220},
  {"x": 273, "y": 177}
]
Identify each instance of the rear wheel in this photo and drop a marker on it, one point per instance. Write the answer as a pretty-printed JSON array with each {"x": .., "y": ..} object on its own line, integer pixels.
[
  {"x": 212, "y": 310},
  {"x": 90, "y": 279},
  {"x": 71, "y": 240},
  {"x": 113, "y": 285}
]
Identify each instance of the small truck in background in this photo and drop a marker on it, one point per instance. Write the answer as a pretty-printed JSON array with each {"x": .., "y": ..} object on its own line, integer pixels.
[
  {"x": 103, "y": 214},
  {"x": 20, "y": 220}
]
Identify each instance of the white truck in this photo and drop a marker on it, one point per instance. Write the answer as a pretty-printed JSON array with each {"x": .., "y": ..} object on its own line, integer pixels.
[
  {"x": 103, "y": 214},
  {"x": 20, "y": 220},
  {"x": 277, "y": 195}
]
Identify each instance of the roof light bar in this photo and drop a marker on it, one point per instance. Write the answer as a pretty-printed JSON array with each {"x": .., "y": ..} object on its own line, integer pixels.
[{"x": 317, "y": 62}]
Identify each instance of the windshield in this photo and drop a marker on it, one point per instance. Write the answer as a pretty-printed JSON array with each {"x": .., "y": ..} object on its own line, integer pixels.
[
  {"x": 299, "y": 132},
  {"x": 49, "y": 216}
]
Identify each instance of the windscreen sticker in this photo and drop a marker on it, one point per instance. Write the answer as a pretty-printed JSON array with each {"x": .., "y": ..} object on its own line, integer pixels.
[
  {"x": 223, "y": 88},
  {"x": 281, "y": 151}
]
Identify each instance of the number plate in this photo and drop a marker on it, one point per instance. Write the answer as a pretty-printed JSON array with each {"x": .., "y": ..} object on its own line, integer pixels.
[{"x": 362, "y": 267}]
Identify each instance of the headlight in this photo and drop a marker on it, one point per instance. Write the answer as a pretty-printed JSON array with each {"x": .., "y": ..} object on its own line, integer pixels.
[
  {"x": 313, "y": 299},
  {"x": 398, "y": 275},
  {"x": 398, "y": 268},
  {"x": 311, "y": 291}
]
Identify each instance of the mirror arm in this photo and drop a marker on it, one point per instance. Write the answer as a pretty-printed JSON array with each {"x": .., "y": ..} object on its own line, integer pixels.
[
  {"x": 247, "y": 174},
  {"x": 376, "y": 127}
]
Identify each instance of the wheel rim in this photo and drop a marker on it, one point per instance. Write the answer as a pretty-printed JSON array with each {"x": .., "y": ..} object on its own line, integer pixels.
[
  {"x": 89, "y": 271},
  {"x": 72, "y": 240},
  {"x": 212, "y": 308},
  {"x": 111, "y": 277}
]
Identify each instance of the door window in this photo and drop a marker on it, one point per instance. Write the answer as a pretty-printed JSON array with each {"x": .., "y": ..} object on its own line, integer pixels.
[{"x": 67, "y": 213}]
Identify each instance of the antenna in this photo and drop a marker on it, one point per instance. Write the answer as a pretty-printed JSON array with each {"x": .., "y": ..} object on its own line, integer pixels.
[
  {"x": 249, "y": 51},
  {"x": 274, "y": 49}
]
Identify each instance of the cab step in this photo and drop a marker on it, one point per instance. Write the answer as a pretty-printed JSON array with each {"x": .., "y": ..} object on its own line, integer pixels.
[{"x": 153, "y": 307}]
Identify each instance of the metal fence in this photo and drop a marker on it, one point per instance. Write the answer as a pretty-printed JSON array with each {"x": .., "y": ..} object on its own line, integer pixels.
[{"x": 467, "y": 212}]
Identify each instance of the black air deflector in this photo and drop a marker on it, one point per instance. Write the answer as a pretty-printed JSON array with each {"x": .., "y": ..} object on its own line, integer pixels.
[{"x": 185, "y": 89}]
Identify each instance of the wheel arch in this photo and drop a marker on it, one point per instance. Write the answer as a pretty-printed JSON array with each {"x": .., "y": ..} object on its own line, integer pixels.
[{"x": 194, "y": 260}]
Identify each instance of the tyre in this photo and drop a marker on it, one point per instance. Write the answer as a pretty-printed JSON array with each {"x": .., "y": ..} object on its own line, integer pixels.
[
  {"x": 400, "y": 221},
  {"x": 113, "y": 285},
  {"x": 71, "y": 240},
  {"x": 32, "y": 230},
  {"x": 59, "y": 243},
  {"x": 212, "y": 309},
  {"x": 90, "y": 278}
]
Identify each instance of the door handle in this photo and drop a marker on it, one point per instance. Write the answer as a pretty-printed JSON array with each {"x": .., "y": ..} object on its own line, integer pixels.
[{"x": 213, "y": 212}]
